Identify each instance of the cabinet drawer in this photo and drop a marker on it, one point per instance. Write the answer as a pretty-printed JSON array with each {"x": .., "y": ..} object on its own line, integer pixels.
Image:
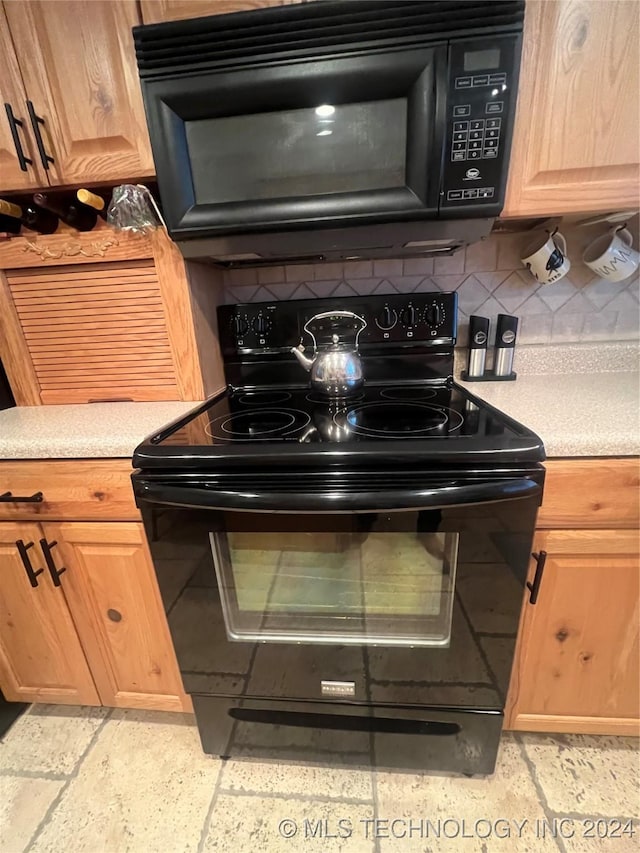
[
  {"x": 591, "y": 493},
  {"x": 71, "y": 489}
]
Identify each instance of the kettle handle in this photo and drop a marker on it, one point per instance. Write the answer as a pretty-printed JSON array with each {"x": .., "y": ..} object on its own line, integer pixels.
[{"x": 344, "y": 315}]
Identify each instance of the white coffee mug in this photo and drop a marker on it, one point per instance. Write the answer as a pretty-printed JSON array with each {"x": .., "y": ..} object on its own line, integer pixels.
[
  {"x": 611, "y": 256},
  {"x": 546, "y": 258}
]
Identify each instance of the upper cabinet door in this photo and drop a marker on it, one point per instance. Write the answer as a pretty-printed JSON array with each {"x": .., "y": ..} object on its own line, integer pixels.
[
  {"x": 12, "y": 94},
  {"x": 79, "y": 70},
  {"x": 154, "y": 11},
  {"x": 575, "y": 142}
]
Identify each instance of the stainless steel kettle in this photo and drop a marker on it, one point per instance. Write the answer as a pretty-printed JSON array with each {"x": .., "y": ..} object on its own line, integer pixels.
[{"x": 336, "y": 369}]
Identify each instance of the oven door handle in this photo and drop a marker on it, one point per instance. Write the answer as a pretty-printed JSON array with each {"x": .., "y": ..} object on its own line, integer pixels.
[{"x": 332, "y": 501}]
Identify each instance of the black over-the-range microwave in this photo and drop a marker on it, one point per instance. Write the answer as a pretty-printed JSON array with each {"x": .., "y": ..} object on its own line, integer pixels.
[{"x": 332, "y": 129}]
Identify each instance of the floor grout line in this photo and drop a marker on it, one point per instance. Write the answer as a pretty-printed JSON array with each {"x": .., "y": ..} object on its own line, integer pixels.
[
  {"x": 52, "y": 776},
  {"x": 290, "y": 795},
  {"x": 542, "y": 797},
  {"x": 56, "y": 801},
  {"x": 207, "y": 821}
]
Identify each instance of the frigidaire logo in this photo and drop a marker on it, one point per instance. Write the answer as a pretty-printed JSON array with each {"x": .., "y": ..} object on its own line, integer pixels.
[
  {"x": 472, "y": 175},
  {"x": 338, "y": 688}
]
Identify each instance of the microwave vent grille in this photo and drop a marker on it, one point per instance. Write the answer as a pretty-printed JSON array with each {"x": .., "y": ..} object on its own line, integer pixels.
[{"x": 321, "y": 29}]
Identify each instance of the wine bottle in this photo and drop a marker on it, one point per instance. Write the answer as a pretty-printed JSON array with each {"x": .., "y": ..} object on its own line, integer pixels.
[
  {"x": 32, "y": 217},
  {"x": 93, "y": 200},
  {"x": 69, "y": 210}
]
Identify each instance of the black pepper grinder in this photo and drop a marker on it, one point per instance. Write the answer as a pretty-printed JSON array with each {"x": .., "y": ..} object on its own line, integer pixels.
[{"x": 506, "y": 329}]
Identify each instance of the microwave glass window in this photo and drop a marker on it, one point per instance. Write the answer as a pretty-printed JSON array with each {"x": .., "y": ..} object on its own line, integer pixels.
[
  {"x": 393, "y": 588},
  {"x": 482, "y": 60},
  {"x": 325, "y": 149}
]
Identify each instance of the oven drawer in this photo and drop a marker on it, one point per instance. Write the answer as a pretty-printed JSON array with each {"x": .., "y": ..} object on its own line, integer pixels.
[
  {"x": 67, "y": 489},
  {"x": 336, "y": 733}
]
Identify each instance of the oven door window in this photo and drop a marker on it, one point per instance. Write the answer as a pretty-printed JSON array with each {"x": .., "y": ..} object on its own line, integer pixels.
[{"x": 360, "y": 586}]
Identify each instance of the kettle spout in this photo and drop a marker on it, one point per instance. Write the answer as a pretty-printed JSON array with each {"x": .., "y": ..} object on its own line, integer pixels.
[{"x": 298, "y": 351}]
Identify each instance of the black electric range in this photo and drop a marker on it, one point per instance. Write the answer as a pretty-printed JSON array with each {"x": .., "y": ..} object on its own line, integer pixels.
[{"x": 336, "y": 572}]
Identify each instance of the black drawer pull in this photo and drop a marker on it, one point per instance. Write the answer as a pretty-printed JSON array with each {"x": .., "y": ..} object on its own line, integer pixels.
[
  {"x": 534, "y": 587},
  {"x": 36, "y": 121},
  {"x": 32, "y": 573},
  {"x": 54, "y": 571},
  {"x": 14, "y": 124},
  {"x": 9, "y": 498}
]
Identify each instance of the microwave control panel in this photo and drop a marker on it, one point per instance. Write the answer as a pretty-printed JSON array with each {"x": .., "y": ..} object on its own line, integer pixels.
[{"x": 480, "y": 105}]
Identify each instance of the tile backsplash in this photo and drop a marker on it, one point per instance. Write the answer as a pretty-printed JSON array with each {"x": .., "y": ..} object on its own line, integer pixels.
[{"x": 490, "y": 280}]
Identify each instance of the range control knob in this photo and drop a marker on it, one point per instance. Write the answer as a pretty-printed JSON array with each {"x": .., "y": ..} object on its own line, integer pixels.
[
  {"x": 409, "y": 316},
  {"x": 434, "y": 314},
  {"x": 261, "y": 325},
  {"x": 386, "y": 319},
  {"x": 239, "y": 326}
]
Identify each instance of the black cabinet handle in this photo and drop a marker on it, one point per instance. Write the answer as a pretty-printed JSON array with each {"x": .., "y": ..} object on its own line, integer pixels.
[
  {"x": 32, "y": 573},
  {"x": 534, "y": 587},
  {"x": 14, "y": 124},
  {"x": 36, "y": 121},
  {"x": 51, "y": 563},
  {"x": 9, "y": 498}
]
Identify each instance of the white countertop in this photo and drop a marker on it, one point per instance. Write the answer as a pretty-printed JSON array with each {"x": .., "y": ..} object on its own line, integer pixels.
[
  {"x": 107, "y": 430},
  {"x": 578, "y": 414},
  {"x": 582, "y": 400}
]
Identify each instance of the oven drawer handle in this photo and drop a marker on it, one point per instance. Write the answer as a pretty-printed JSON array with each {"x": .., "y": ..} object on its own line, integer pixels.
[{"x": 332, "y": 501}]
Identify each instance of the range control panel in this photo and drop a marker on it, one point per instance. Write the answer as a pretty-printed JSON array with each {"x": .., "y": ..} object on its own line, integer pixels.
[
  {"x": 481, "y": 99},
  {"x": 274, "y": 327}
]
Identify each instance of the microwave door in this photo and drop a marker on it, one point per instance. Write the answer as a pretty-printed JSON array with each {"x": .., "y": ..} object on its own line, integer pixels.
[{"x": 318, "y": 143}]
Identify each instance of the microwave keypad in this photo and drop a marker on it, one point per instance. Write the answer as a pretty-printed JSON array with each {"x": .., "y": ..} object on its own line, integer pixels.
[
  {"x": 476, "y": 139},
  {"x": 482, "y": 85}
]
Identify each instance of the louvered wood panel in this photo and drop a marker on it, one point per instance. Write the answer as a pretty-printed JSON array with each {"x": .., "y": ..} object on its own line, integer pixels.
[{"x": 95, "y": 332}]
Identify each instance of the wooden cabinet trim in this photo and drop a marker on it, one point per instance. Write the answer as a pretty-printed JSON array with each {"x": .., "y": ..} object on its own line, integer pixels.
[
  {"x": 155, "y": 11},
  {"x": 72, "y": 488},
  {"x": 14, "y": 352},
  {"x": 597, "y": 492}
]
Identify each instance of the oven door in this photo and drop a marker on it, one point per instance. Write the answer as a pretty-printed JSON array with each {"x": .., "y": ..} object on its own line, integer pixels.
[{"x": 362, "y": 603}]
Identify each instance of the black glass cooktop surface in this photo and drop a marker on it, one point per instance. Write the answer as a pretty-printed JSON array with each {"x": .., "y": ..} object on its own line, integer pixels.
[
  {"x": 301, "y": 416},
  {"x": 422, "y": 420}
]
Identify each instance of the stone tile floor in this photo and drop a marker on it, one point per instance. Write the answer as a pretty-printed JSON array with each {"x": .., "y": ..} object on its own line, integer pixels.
[{"x": 83, "y": 780}]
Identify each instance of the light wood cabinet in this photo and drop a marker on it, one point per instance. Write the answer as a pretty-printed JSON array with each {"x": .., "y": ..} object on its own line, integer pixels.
[
  {"x": 92, "y": 630},
  {"x": 577, "y": 661},
  {"x": 113, "y": 595},
  {"x": 13, "y": 103},
  {"x": 577, "y": 128},
  {"x": 156, "y": 11},
  {"x": 102, "y": 315},
  {"x": 78, "y": 65},
  {"x": 41, "y": 658}
]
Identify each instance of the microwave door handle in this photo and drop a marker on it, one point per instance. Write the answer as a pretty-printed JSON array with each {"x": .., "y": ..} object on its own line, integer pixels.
[{"x": 468, "y": 494}]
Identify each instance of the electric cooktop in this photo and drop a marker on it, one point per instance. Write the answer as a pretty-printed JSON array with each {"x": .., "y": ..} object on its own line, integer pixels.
[{"x": 423, "y": 420}]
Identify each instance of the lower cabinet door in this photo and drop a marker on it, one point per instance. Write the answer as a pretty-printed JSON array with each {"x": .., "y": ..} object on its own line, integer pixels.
[
  {"x": 112, "y": 592},
  {"x": 577, "y": 663},
  {"x": 41, "y": 658}
]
